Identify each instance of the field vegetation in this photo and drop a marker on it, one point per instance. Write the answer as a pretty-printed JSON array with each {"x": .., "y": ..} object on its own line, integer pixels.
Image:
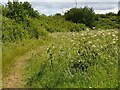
[{"x": 76, "y": 50}]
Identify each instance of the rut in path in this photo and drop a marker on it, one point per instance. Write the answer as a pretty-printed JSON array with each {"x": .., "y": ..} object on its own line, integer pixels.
[{"x": 15, "y": 79}]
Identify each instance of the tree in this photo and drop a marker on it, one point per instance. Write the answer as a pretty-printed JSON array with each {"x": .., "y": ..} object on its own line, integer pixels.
[
  {"x": 58, "y": 14},
  {"x": 30, "y": 11},
  {"x": 119, "y": 12},
  {"x": 111, "y": 14},
  {"x": 19, "y": 11},
  {"x": 81, "y": 15},
  {"x": 118, "y": 16}
]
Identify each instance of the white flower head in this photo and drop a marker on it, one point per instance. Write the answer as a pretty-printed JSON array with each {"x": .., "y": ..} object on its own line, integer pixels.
[
  {"x": 113, "y": 35},
  {"x": 94, "y": 46}
]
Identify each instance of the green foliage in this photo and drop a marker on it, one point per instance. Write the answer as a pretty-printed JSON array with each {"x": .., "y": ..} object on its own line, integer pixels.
[
  {"x": 30, "y": 11},
  {"x": 111, "y": 14},
  {"x": 12, "y": 51},
  {"x": 81, "y": 15},
  {"x": 19, "y": 11},
  {"x": 36, "y": 29},
  {"x": 59, "y": 24},
  {"x": 119, "y": 12},
  {"x": 107, "y": 15},
  {"x": 118, "y": 17},
  {"x": 13, "y": 31},
  {"x": 76, "y": 60},
  {"x": 58, "y": 14},
  {"x": 78, "y": 27},
  {"x": 35, "y": 26},
  {"x": 110, "y": 22},
  {"x": 75, "y": 57}
]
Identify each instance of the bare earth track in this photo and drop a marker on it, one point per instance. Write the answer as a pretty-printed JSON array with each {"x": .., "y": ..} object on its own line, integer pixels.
[{"x": 15, "y": 79}]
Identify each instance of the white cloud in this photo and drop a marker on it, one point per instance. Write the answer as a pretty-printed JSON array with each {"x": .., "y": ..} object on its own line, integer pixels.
[
  {"x": 71, "y": 0},
  {"x": 56, "y": 7},
  {"x": 66, "y": 0},
  {"x": 115, "y": 10}
]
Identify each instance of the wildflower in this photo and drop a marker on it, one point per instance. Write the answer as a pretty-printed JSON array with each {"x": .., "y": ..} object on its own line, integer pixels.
[
  {"x": 72, "y": 40},
  {"x": 72, "y": 60},
  {"x": 75, "y": 38},
  {"x": 77, "y": 34},
  {"x": 82, "y": 34},
  {"x": 63, "y": 36},
  {"x": 87, "y": 29},
  {"x": 73, "y": 43},
  {"x": 89, "y": 42},
  {"x": 109, "y": 33},
  {"x": 93, "y": 46},
  {"x": 79, "y": 60},
  {"x": 102, "y": 34},
  {"x": 53, "y": 46},
  {"x": 90, "y": 87},
  {"x": 101, "y": 46},
  {"x": 73, "y": 34},
  {"x": 97, "y": 39},
  {"x": 97, "y": 49},
  {"x": 113, "y": 42},
  {"x": 113, "y": 35}
]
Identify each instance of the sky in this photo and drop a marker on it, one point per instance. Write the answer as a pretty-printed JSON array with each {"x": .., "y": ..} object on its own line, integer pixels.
[
  {"x": 66, "y": 0},
  {"x": 50, "y": 7}
]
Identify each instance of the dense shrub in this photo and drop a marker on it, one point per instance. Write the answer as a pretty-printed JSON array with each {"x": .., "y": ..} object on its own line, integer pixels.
[
  {"x": 78, "y": 27},
  {"x": 119, "y": 12},
  {"x": 13, "y": 31},
  {"x": 31, "y": 25},
  {"x": 81, "y": 15},
  {"x": 58, "y": 14},
  {"x": 107, "y": 23},
  {"x": 118, "y": 16},
  {"x": 19, "y": 11},
  {"x": 36, "y": 28},
  {"x": 111, "y": 14}
]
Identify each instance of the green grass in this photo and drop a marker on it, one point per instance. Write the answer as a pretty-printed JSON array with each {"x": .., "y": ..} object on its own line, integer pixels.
[
  {"x": 0, "y": 66},
  {"x": 14, "y": 50},
  {"x": 69, "y": 55},
  {"x": 87, "y": 59}
]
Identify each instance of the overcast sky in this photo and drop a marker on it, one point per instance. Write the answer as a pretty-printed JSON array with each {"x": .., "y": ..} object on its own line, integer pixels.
[
  {"x": 50, "y": 7},
  {"x": 66, "y": 0}
]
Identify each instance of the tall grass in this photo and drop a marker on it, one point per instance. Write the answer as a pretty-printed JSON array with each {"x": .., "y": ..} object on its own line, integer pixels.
[
  {"x": 88, "y": 59},
  {"x": 14, "y": 50}
]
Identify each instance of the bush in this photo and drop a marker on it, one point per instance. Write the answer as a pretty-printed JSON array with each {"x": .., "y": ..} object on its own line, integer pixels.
[
  {"x": 107, "y": 23},
  {"x": 118, "y": 16},
  {"x": 77, "y": 27},
  {"x": 19, "y": 11},
  {"x": 111, "y": 14},
  {"x": 81, "y": 15},
  {"x": 119, "y": 12},
  {"x": 13, "y": 31}
]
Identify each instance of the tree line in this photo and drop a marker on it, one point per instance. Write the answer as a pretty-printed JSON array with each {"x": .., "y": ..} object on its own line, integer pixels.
[{"x": 21, "y": 11}]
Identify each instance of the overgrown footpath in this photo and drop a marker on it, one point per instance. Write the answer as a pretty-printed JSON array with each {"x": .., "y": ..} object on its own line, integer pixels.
[
  {"x": 68, "y": 59},
  {"x": 78, "y": 49},
  {"x": 15, "y": 64}
]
